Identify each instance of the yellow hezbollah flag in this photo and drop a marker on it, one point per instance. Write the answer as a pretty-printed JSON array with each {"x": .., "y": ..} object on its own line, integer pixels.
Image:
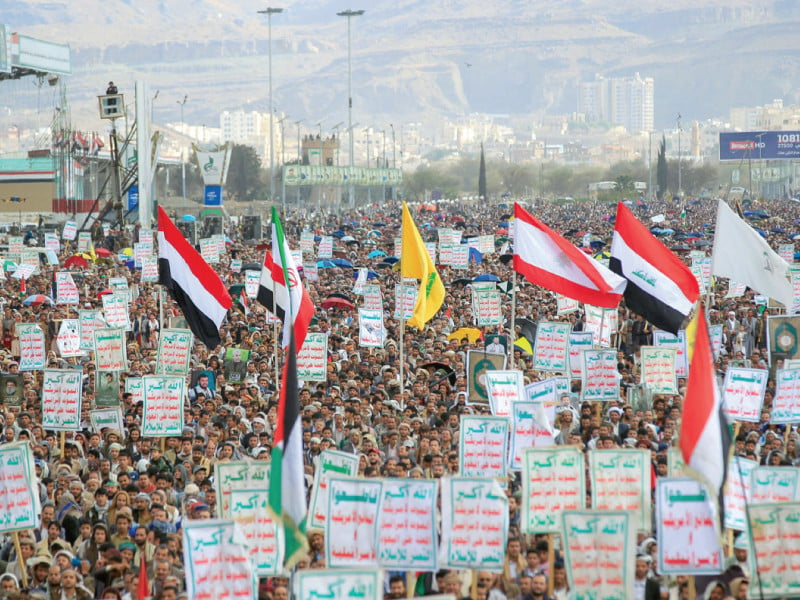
[{"x": 416, "y": 262}]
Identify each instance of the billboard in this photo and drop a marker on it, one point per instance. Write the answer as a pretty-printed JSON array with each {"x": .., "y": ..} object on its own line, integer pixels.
[
  {"x": 759, "y": 145},
  {"x": 43, "y": 56},
  {"x": 338, "y": 176}
]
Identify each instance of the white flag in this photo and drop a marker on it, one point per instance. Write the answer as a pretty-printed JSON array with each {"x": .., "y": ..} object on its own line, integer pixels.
[{"x": 742, "y": 255}]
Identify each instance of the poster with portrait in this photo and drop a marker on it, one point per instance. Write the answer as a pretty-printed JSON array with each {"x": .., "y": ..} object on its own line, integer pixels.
[
  {"x": 783, "y": 338},
  {"x": 478, "y": 363},
  {"x": 106, "y": 388},
  {"x": 236, "y": 364},
  {"x": 11, "y": 386}
]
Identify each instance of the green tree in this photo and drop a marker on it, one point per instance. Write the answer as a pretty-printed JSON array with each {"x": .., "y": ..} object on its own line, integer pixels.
[
  {"x": 482, "y": 176},
  {"x": 661, "y": 168},
  {"x": 246, "y": 179},
  {"x": 624, "y": 183}
]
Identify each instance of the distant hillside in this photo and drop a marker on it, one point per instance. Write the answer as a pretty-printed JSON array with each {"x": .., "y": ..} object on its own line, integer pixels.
[{"x": 419, "y": 60}]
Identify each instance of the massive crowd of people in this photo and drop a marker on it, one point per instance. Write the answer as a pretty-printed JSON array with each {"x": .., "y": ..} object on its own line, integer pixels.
[{"x": 110, "y": 498}]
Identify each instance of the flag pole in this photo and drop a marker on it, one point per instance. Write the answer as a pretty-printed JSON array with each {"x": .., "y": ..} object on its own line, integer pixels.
[
  {"x": 402, "y": 324},
  {"x": 513, "y": 333}
]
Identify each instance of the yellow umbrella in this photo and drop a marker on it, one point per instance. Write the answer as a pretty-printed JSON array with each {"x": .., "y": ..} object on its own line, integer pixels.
[
  {"x": 524, "y": 345},
  {"x": 127, "y": 252},
  {"x": 470, "y": 333}
]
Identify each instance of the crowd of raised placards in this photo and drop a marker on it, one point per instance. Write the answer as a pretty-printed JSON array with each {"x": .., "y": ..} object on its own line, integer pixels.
[{"x": 538, "y": 449}]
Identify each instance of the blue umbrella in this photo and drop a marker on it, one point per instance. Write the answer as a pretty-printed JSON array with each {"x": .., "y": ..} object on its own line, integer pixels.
[
  {"x": 475, "y": 255},
  {"x": 340, "y": 262},
  {"x": 370, "y": 275},
  {"x": 317, "y": 238},
  {"x": 376, "y": 254},
  {"x": 778, "y": 230},
  {"x": 338, "y": 233},
  {"x": 375, "y": 233},
  {"x": 761, "y": 232},
  {"x": 379, "y": 224},
  {"x": 325, "y": 264},
  {"x": 391, "y": 259},
  {"x": 597, "y": 244},
  {"x": 188, "y": 218},
  {"x": 487, "y": 277}
]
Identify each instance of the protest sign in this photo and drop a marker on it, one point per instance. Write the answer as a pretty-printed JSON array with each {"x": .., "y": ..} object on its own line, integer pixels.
[
  {"x": 262, "y": 535},
  {"x": 217, "y": 561},
  {"x": 529, "y": 429},
  {"x": 330, "y": 464},
  {"x": 688, "y": 540},
  {"x": 307, "y": 242},
  {"x": 163, "y": 405},
  {"x": 209, "y": 250},
  {"x": 775, "y": 529},
  {"x": 487, "y": 307},
  {"x": 12, "y": 388},
  {"x": 25, "y": 270},
  {"x": 32, "y": 353},
  {"x": 565, "y": 305},
  {"x": 19, "y": 497},
  {"x": 325, "y": 247},
  {"x": 149, "y": 269},
  {"x": 109, "y": 349},
  {"x": 550, "y": 348},
  {"x": 405, "y": 296},
  {"x": 115, "y": 309},
  {"x": 106, "y": 388},
  {"x": 460, "y": 257},
  {"x": 106, "y": 418},
  {"x": 664, "y": 339},
  {"x": 51, "y": 242},
  {"x": 352, "y": 527},
  {"x": 88, "y": 322},
  {"x": 135, "y": 387},
  {"x": 373, "y": 298},
  {"x": 504, "y": 388},
  {"x": 66, "y": 290},
  {"x": 238, "y": 475},
  {"x": 478, "y": 364},
  {"x": 794, "y": 278},
  {"x": 486, "y": 244},
  {"x": 675, "y": 462},
  {"x": 735, "y": 289},
  {"x": 68, "y": 339},
  {"x": 602, "y": 322},
  {"x": 446, "y": 253},
  {"x": 407, "y": 525},
  {"x": 174, "y": 352},
  {"x": 474, "y": 524},
  {"x": 361, "y": 281},
  {"x": 774, "y": 484},
  {"x": 69, "y": 231},
  {"x": 786, "y": 403},
  {"x": 85, "y": 242},
  {"x": 658, "y": 369},
  {"x": 737, "y": 492},
  {"x": 553, "y": 480},
  {"x": 600, "y": 552},
  {"x": 620, "y": 480},
  {"x": 371, "y": 332},
  {"x": 61, "y": 399},
  {"x": 312, "y": 360},
  {"x": 743, "y": 393},
  {"x": 578, "y": 342},
  {"x": 252, "y": 279},
  {"x": 311, "y": 271},
  {"x": 786, "y": 252},
  {"x": 599, "y": 375},
  {"x": 549, "y": 392},
  {"x": 15, "y": 244},
  {"x": 715, "y": 335},
  {"x": 338, "y": 584},
  {"x": 483, "y": 442},
  {"x": 235, "y": 364}
]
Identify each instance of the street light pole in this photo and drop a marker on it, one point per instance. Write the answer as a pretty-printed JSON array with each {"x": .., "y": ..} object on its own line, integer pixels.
[
  {"x": 369, "y": 187},
  {"x": 650, "y": 168},
  {"x": 394, "y": 163},
  {"x": 183, "y": 158},
  {"x": 349, "y": 14},
  {"x": 299, "y": 156},
  {"x": 269, "y": 11}
]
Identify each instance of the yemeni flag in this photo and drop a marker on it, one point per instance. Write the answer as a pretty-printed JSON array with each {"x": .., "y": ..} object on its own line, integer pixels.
[
  {"x": 281, "y": 291},
  {"x": 547, "y": 259},
  {"x": 287, "y": 490},
  {"x": 191, "y": 282},
  {"x": 660, "y": 287},
  {"x": 705, "y": 439}
]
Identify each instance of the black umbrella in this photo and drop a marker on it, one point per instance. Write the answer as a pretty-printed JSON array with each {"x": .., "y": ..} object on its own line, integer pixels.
[
  {"x": 461, "y": 280},
  {"x": 252, "y": 266},
  {"x": 440, "y": 371},
  {"x": 339, "y": 295},
  {"x": 506, "y": 258},
  {"x": 527, "y": 328}
]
